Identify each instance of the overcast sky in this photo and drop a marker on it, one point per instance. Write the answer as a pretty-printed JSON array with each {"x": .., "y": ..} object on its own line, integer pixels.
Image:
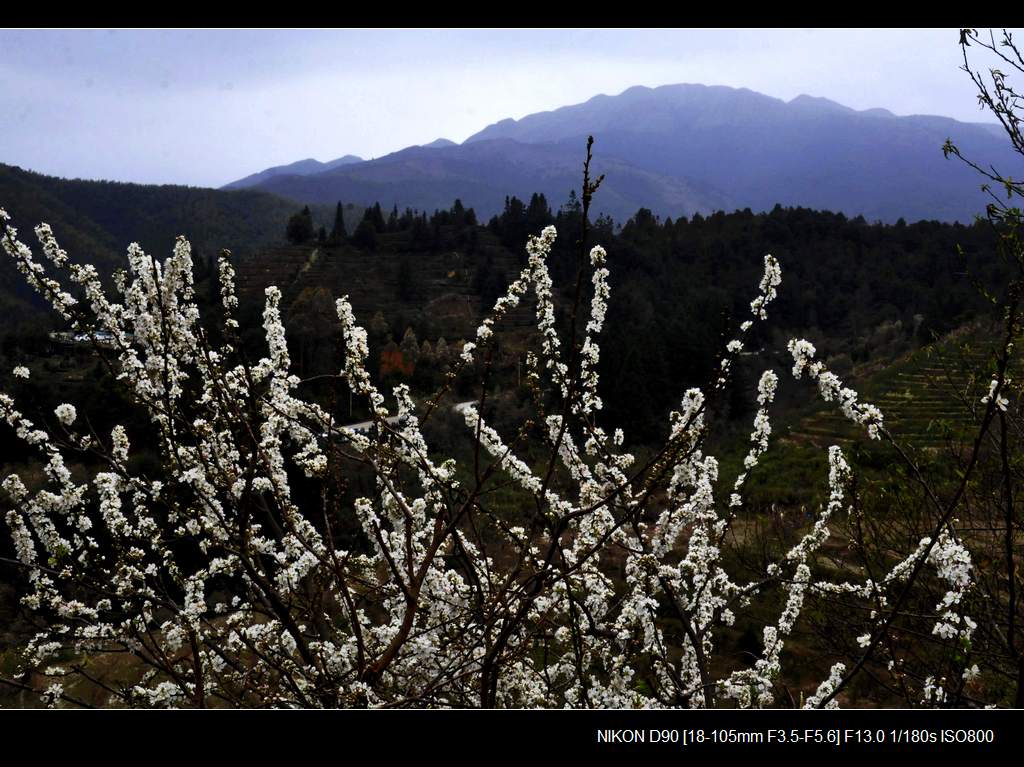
[{"x": 205, "y": 107}]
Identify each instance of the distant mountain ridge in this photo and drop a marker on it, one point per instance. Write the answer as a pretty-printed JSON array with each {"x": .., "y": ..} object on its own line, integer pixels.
[
  {"x": 305, "y": 167},
  {"x": 484, "y": 173},
  {"x": 762, "y": 150},
  {"x": 682, "y": 149}
]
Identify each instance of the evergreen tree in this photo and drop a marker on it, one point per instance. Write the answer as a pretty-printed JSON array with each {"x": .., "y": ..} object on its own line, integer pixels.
[
  {"x": 458, "y": 213},
  {"x": 572, "y": 205},
  {"x": 441, "y": 353},
  {"x": 300, "y": 227},
  {"x": 427, "y": 353},
  {"x": 510, "y": 226},
  {"x": 379, "y": 328},
  {"x": 410, "y": 347},
  {"x": 375, "y": 217},
  {"x": 365, "y": 235},
  {"x": 338, "y": 232},
  {"x": 538, "y": 214}
]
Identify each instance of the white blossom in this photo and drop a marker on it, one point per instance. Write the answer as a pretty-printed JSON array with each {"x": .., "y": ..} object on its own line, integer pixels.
[
  {"x": 995, "y": 393},
  {"x": 441, "y": 591},
  {"x": 66, "y": 413}
]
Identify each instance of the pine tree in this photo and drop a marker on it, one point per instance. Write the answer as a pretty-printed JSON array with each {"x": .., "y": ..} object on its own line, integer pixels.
[
  {"x": 300, "y": 227},
  {"x": 441, "y": 352},
  {"x": 538, "y": 213},
  {"x": 338, "y": 232},
  {"x": 410, "y": 346},
  {"x": 379, "y": 327},
  {"x": 365, "y": 235},
  {"x": 458, "y": 214},
  {"x": 375, "y": 217}
]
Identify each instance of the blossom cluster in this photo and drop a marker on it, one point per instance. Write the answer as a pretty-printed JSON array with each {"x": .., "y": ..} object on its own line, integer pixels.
[
  {"x": 222, "y": 588},
  {"x": 832, "y": 388},
  {"x": 995, "y": 394}
]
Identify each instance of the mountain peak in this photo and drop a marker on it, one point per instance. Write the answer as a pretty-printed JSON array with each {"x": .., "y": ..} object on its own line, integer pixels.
[
  {"x": 821, "y": 104},
  {"x": 348, "y": 159},
  {"x": 307, "y": 167},
  {"x": 439, "y": 143},
  {"x": 818, "y": 103}
]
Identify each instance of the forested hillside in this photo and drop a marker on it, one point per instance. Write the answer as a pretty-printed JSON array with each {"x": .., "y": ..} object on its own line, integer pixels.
[
  {"x": 863, "y": 290},
  {"x": 98, "y": 219}
]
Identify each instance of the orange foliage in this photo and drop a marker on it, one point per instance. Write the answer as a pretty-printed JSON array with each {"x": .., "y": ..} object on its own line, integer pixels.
[{"x": 392, "y": 361}]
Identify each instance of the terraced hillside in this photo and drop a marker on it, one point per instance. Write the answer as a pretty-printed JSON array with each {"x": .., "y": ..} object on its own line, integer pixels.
[
  {"x": 929, "y": 397},
  {"x": 436, "y": 290}
]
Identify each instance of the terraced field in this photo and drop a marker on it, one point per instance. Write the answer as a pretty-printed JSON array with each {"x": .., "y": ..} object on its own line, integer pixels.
[
  {"x": 930, "y": 397},
  {"x": 437, "y": 286}
]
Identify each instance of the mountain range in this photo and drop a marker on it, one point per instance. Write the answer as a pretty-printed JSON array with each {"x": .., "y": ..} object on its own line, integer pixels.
[
  {"x": 307, "y": 167},
  {"x": 483, "y": 173},
  {"x": 679, "y": 150}
]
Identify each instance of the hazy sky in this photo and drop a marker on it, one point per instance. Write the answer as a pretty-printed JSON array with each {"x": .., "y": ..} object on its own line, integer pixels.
[{"x": 205, "y": 107}]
